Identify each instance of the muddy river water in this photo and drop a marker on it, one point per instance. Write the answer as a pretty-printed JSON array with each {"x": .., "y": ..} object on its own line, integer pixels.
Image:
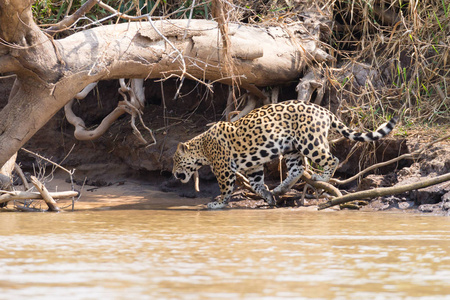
[{"x": 229, "y": 254}]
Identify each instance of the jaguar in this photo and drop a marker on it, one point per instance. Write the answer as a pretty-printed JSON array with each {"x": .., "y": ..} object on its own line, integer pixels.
[{"x": 294, "y": 129}]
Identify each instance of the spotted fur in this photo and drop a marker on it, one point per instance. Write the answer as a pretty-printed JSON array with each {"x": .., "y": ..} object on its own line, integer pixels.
[{"x": 293, "y": 129}]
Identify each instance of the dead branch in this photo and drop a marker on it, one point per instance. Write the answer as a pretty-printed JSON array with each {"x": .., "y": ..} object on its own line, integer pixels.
[
  {"x": 137, "y": 101},
  {"x": 19, "y": 195},
  {"x": 71, "y": 172},
  {"x": 86, "y": 91},
  {"x": 51, "y": 203},
  {"x": 302, "y": 199},
  {"x": 233, "y": 103},
  {"x": 47, "y": 160},
  {"x": 321, "y": 185},
  {"x": 411, "y": 155},
  {"x": 124, "y": 15},
  {"x": 67, "y": 22},
  {"x": 19, "y": 172},
  {"x": 244, "y": 181},
  {"x": 179, "y": 56},
  {"x": 369, "y": 194}
]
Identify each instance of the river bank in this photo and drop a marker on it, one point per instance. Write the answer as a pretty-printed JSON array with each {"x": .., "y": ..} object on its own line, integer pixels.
[
  {"x": 110, "y": 187},
  {"x": 117, "y": 157}
]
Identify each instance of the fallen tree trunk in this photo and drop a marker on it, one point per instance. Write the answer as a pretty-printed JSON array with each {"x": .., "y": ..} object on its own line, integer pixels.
[
  {"x": 384, "y": 191},
  {"x": 51, "y": 72}
]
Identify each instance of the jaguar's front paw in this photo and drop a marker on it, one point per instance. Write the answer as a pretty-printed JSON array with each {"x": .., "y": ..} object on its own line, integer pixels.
[
  {"x": 216, "y": 205},
  {"x": 270, "y": 198},
  {"x": 277, "y": 200}
]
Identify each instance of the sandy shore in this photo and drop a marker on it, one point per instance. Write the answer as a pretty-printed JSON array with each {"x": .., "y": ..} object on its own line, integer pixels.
[
  {"x": 123, "y": 194},
  {"x": 129, "y": 194}
]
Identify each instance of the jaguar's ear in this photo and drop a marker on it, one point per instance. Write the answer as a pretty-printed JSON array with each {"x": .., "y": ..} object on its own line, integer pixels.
[{"x": 182, "y": 148}]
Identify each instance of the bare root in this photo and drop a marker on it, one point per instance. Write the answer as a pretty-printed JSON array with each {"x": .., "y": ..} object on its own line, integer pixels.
[{"x": 133, "y": 107}]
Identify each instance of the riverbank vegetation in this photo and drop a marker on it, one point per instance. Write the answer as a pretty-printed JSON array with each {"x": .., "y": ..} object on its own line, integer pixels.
[{"x": 389, "y": 54}]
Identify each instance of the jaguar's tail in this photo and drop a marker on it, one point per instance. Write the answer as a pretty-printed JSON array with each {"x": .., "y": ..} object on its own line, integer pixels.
[{"x": 382, "y": 131}]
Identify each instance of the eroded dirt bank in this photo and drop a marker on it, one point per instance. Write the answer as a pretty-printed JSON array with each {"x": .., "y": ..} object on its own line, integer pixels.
[{"x": 119, "y": 172}]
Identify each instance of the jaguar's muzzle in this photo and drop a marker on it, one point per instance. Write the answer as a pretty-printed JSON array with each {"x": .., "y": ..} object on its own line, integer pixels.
[{"x": 180, "y": 176}]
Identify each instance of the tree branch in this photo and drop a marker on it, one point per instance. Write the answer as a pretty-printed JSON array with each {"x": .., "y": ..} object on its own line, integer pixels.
[
  {"x": 321, "y": 185},
  {"x": 72, "y": 19},
  {"x": 52, "y": 206},
  {"x": 411, "y": 155},
  {"x": 20, "y": 173},
  {"x": 18, "y": 195},
  {"x": 384, "y": 191}
]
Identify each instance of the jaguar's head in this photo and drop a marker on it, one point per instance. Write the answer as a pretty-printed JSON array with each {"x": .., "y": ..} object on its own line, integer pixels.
[{"x": 185, "y": 163}]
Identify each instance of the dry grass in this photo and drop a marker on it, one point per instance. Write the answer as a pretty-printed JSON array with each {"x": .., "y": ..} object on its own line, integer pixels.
[
  {"x": 404, "y": 49},
  {"x": 393, "y": 57}
]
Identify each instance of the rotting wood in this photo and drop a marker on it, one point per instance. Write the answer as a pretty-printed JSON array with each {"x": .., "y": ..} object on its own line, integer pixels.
[{"x": 369, "y": 194}]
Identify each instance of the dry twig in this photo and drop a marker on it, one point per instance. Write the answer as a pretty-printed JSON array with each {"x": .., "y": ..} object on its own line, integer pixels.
[{"x": 68, "y": 21}]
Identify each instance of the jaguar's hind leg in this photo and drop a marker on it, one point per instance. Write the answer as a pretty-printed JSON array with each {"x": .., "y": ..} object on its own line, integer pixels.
[
  {"x": 256, "y": 179},
  {"x": 295, "y": 169},
  {"x": 325, "y": 159}
]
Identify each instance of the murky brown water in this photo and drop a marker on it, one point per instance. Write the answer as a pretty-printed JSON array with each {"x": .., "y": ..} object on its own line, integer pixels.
[{"x": 231, "y": 254}]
